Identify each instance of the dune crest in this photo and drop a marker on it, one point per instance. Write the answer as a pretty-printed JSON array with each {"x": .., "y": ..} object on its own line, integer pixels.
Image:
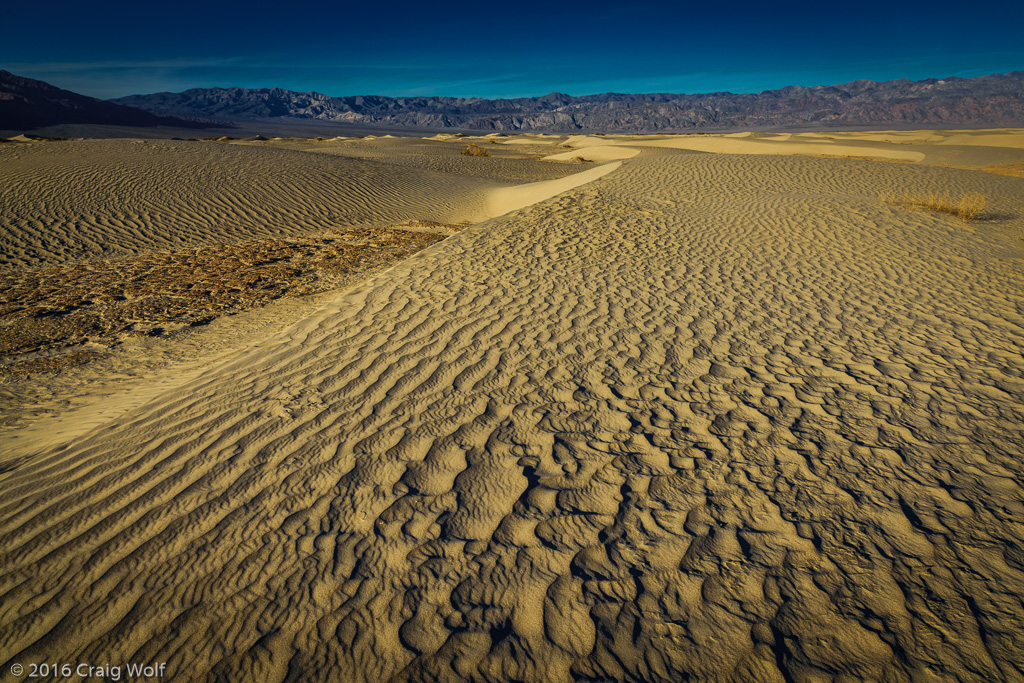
[
  {"x": 63, "y": 202},
  {"x": 507, "y": 199},
  {"x": 597, "y": 153}
]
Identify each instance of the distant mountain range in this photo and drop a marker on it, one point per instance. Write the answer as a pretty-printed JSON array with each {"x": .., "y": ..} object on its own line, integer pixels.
[
  {"x": 27, "y": 104},
  {"x": 996, "y": 100}
]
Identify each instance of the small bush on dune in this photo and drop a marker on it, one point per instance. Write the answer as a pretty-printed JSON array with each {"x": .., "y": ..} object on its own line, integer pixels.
[
  {"x": 475, "y": 150},
  {"x": 1015, "y": 170},
  {"x": 966, "y": 209}
]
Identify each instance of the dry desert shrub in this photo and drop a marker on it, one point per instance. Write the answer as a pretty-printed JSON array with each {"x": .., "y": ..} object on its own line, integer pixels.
[
  {"x": 966, "y": 209},
  {"x": 475, "y": 150},
  {"x": 855, "y": 156},
  {"x": 55, "y": 308},
  {"x": 1015, "y": 170}
]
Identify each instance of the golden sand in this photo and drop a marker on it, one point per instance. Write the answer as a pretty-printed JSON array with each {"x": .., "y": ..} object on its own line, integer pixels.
[{"x": 712, "y": 409}]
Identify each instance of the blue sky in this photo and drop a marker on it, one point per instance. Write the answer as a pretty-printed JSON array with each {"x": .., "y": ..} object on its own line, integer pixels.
[{"x": 509, "y": 49}]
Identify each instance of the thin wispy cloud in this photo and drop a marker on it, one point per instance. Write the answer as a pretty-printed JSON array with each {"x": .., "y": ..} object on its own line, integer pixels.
[{"x": 78, "y": 66}]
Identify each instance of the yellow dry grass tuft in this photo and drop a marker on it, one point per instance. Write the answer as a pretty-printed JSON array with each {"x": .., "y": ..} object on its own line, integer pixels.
[
  {"x": 966, "y": 209},
  {"x": 1015, "y": 170},
  {"x": 475, "y": 150},
  {"x": 856, "y": 156}
]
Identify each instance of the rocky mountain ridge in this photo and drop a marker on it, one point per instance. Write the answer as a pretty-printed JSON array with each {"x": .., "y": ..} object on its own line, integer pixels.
[
  {"x": 995, "y": 100},
  {"x": 27, "y": 104}
]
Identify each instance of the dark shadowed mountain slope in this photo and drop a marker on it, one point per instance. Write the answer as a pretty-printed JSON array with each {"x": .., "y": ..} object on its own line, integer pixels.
[
  {"x": 996, "y": 100},
  {"x": 27, "y": 104}
]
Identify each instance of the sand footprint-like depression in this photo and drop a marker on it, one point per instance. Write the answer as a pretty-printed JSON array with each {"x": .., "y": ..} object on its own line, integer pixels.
[{"x": 707, "y": 416}]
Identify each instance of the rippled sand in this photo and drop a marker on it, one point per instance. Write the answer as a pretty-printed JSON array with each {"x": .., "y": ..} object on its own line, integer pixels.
[{"x": 710, "y": 415}]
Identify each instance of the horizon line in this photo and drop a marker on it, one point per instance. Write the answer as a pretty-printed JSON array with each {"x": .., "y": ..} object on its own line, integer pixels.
[{"x": 527, "y": 97}]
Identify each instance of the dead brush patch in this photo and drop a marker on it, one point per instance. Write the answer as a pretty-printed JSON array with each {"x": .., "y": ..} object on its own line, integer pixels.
[
  {"x": 434, "y": 226},
  {"x": 54, "y": 308},
  {"x": 967, "y": 208},
  {"x": 475, "y": 150},
  {"x": 1015, "y": 170},
  {"x": 51, "y": 364},
  {"x": 859, "y": 157}
]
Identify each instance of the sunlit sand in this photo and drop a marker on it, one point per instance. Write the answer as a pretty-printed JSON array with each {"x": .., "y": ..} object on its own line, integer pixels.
[{"x": 588, "y": 408}]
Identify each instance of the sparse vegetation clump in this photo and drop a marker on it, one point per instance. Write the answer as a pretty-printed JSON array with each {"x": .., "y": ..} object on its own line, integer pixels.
[
  {"x": 1015, "y": 170},
  {"x": 475, "y": 150},
  {"x": 154, "y": 294},
  {"x": 966, "y": 209}
]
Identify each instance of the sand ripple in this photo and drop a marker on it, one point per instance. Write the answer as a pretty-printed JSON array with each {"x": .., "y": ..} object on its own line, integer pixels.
[
  {"x": 64, "y": 201},
  {"x": 724, "y": 417}
]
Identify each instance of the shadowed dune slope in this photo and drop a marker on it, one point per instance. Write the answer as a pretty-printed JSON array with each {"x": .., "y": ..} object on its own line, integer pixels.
[
  {"x": 724, "y": 417},
  {"x": 62, "y": 201},
  {"x": 729, "y": 145},
  {"x": 934, "y": 148},
  {"x": 441, "y": 155}
]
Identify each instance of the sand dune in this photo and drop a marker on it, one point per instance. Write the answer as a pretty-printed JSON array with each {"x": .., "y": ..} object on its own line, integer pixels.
[
  {"x": 125, "y": 255},
  {"x": 719, "y": 416},
  {"x": 532, "y": 139},
  {"x": 508, "y": 199},
  {"x": 1013, "y": 139},
  {"x": 62, "y": 201},
  {"x": 443, "y": 155},
  {"x": 972, "y": 149},
  {"x": 598, "y": 153},
  {"x": 786, "y": 146}
]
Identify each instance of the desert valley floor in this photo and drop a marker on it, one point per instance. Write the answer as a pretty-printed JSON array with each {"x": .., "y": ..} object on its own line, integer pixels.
[{"x": 589, "y": 408}]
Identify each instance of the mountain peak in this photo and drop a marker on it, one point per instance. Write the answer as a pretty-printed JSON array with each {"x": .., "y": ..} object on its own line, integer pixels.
[
  {"x": 996, "y": 100},
  {"x": 857, "y": 103},
  {"x": 26, "y": 104}
]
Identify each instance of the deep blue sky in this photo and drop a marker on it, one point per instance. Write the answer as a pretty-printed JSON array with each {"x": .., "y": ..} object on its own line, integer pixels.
[{"x": 504, "y": 49}]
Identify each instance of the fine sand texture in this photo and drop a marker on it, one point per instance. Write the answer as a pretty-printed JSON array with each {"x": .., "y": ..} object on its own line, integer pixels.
[
  {"x": 128, "y": 265},
  {"x": 65, "y": 200},
  {"x": 709, "y": 416}
]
